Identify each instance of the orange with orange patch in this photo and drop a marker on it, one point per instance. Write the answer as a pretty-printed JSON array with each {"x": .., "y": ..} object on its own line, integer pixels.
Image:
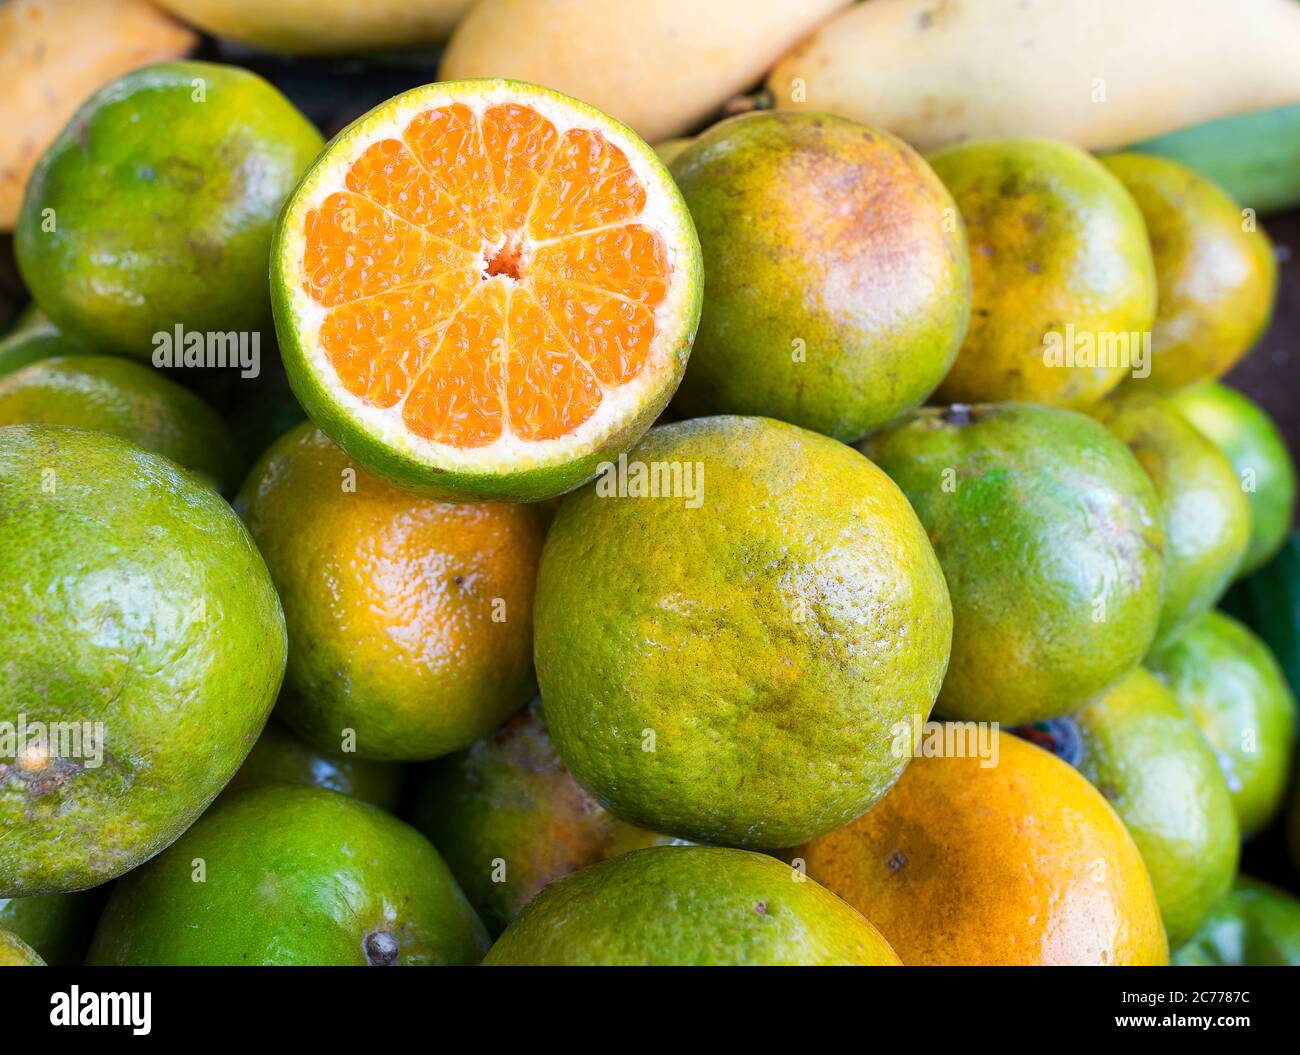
[{"x": 486, "y": 273}]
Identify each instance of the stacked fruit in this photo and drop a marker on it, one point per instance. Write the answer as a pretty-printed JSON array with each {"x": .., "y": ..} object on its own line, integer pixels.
[{"x": 654, "y": 512}]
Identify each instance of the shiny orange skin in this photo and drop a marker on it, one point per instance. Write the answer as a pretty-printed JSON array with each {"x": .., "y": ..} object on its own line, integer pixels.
[
  {"x": 1019, "y": 863},
  {"x": 410, "y": 620}
]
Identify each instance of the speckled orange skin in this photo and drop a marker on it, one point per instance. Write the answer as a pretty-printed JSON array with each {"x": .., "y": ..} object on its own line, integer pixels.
[
  {"x": 1055, "y": 240},
  {"x": 836, "y": 277},
  {"x": 1217, "y": 277},
  {"x": 1023, "y": 863},
  {"x": 390, "y": 603}
]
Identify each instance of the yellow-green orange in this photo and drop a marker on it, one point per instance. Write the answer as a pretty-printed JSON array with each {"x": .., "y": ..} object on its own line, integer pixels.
[
  {"x": 409, "y": 620},
  {"x": 1215, "y": 271},
  {"x": 689, "y": 906},
  {"x": 135, "y": 600},
  {"x": 281, "y": 757},
  {"x": 1019, "y": 862},
  {"x": 292, "y": 876},
  {"x": 154, "y": 207},
  {"x": 509, "y": 818},
  {"x": 836, "y": 280},
  {"x": 1147, "y": 757},
  {"x": 1229, "y": 682},
  {"x": 726, "y": 662},
  {"x": 107, "y": 394},
  {"x": 1064, "y": 284},
  {"x": 1249, "y": 439},
  {"x": 32, "y": 339},
  {"x": 1050, "y": 538},
  {"x": 1206, "y": 518}
]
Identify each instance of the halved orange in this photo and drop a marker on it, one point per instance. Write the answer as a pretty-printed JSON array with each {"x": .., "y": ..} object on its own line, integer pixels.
[{"x": 486, "y": 288}]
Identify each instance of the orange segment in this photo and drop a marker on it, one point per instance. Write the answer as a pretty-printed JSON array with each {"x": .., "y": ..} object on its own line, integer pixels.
[
  {"x": 389, "y": 175},
  {"x": 629, "y": 260},
  {"x": 457, "y": 399},
  {"x": 448, "y": 143},
  {"x": 485, "y": 273},
  {"x": 613, "y": 335},
  {"x": 355, "y": 249},
  {"x": 520, "y": 143},
  {"x": 377, "y": 345},
  {"x": 549, "y": 390},
  {"x": 590, "y": 184}
]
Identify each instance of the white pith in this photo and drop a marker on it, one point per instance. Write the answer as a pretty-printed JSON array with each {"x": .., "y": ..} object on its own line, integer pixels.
[{"x": 661, "y": 213}]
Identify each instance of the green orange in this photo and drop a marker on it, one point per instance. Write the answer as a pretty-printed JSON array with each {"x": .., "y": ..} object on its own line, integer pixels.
[
  {"x": 14, "y": 952},
  {"x": 485, "y": 288},
  {"x": 837, "y": 282},
  {"x": 127, "y": 399},
  {"x": 728, "y": 661},
  {"x": 1230, "y": 683},
  {"x": 1014, "y": 859},
  {"x": 1064, "y": 283},
  {"x": 1265, "y": 470},
  {"x": 1253, "y": 925},
  {"x": 57, "y": 926},
  {"x": 291, "y": 876},
  {"x": 1146, "y": 755},
  {"x": 32, "y": 339},
  {"x": 1050, "y": 539},
  {"x": 509, "y": 818},
  {"x": 1206, "y": 518},
  {"x": 409, "y": 620},
  {"x": 155, "y": 206},
  {"x": 281, "y": 757},
  {"x": 141, "y": 632},
  {"x": 1215, "y": 270},
  {"x": 689, "y": 906}
]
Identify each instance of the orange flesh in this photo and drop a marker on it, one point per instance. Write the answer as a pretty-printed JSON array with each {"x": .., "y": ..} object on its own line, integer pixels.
[{"x": 486, "y": 273}]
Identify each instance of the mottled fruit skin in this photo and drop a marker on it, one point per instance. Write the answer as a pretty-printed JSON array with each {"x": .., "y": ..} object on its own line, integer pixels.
[
  {"x": 57, "y": 926},
  {"x": 1215, "y": 270},
  {"x": 733, "y": 673},
  {"x": 14, "y": 952},
  {"x": 410, "y": 620},
  {"x": 1266, "y": 473},
  {"x": 107, "y": 394},
  {"x": 1018, "y": 863},
  {"x": 30, "y": 342},
  {"x": 1049, "y": 536},
  {"x": 1254, "y": 925},
  {"x": 1146, "y": 755},
  {"x": 135, "y": 599},
  {"x": 165, "y": 187},
  {"x": 1206, "y": 518},
  {"x": 292, "y": 876},
  {"x": 281, "y": 757},
  {"x": 1060, "y": 264},
  {"x": 689, "y": 906},
  {"x": 509, "y": 818},
  {"x": 1228, "y": 681},
  {"x": 837, "y": 282}
]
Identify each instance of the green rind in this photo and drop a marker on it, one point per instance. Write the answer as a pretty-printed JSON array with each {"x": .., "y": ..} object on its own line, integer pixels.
[
  {"x": 1254, "y": 157},
  {"x": 1248, "y": 438},
  {"x": 163, "y": 205},
  {"x": 14, "y": 952},
  {"x": 135, "y": 598},
  {"x": 689, "y": 906},
  {"x": 125, "y": 399},
  {"x": 57, "y": 926},
  {"x": 33, "y": 342},
  {"x": 1146, "y": 755},
  {"x": 1050, "y": 538},
  {"x": 1231, "y": 685},
  {"x": 1253, "y": 925},
  {"x": 399, "y": 467},
  {"x": 290, "y": 876}
]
